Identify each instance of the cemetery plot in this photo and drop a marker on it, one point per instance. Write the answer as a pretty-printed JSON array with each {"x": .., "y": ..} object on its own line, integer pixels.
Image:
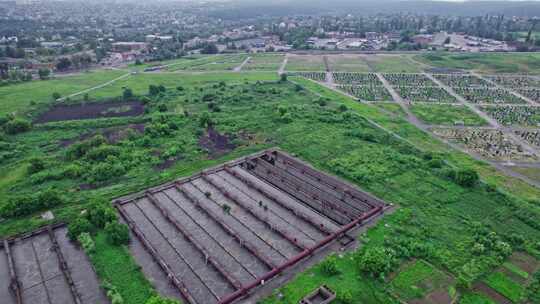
[
  {"x": 317, "y": 76},
  {"x": 462, "y": 81},
  {"x": 533, "y": 94},
  {"x": 46, "y": 267},
  {"x": 347, "y": 63},
  {"x": 221, "y": 233},
  {"x": 364, "y": 79},
  {"x": 531, "y": 136},
  {"x": 515, "y": 81},
  {"x": 305, "y": 63},
  {"x": 264, "y": 62},
  {"x": 488, "y": 95},
  {"x": 489, "y": 143},
  {"x": 425, "y": 94},
  {"x": 515, "y": 115},
  {"x": 367, "y": 93},
  {"x": 409, "y": 80}
]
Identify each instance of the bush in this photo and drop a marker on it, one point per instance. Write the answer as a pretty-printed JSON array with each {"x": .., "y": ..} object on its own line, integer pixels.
[
  {"x": 205, "y": 120},
  {"x": 87, "y": 243},
  {"x": 100, "y": 213},
  {"x": 463, "y": 177},
  {"x": 78, "y": 226},
  {"x": 101, "y": 153},
  {"x": 16, "y": 126},
  {"x": 283, "y": 77},
  {"x": 36, "y": 165},
  {"x": 112, "y": 293},
  {"x": 117, "y": 234},
  {"x": 28, "y": 204},
  {"x": 127, "y": 94},
  {"x": 329, "y": 265},
  {"x": 56, "y": 95},
  {"x": 160, "y": 300},
  {"x": 377, "y": 261},
  {"x": 345, "y": 297}
]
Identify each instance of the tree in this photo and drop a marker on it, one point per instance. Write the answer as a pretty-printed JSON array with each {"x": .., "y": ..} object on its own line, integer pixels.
[
  {"x": 63, "y": 64},
  {"x": 466, "y": 177},
  {"x": 16, "y": 126},
  {"x": 127, "y": 94},
  {"x": 153, "y": 90},
  {"x": 44, "y": 73},
  {"x": 36, "y": 165},
  {"x": 100, "y": 213},
  {"x": 117, "y": 234},
  {"x": 210, "y": 48},
  {"x": 329, "y": 266},
  {"x": 56, "y": 95},
  {"x": 78, "y": 226},
  {"x": 377, "y": 261},
  {"x": 283, "y": 77}
]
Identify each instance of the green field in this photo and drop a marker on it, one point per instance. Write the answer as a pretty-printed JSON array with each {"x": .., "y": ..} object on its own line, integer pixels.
[
  {"x": 305, "y": 63},
  {"x": 475, "y": 298},
  {"x": 437, "y": 220},
  {"x": 485, "y": 63},
  {"x": 348, "y": 63},
  {"x": 447, "y": 115},
  {"x": 264, "y": 62},
  {"x": 384, "y": 63},
  {"x": 505, "y": 286},
  {"x": 417, "y": 279}
]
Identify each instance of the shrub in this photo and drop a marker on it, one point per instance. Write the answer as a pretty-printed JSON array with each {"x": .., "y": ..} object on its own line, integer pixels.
[
  {"x": 80, "y": 149},
  {"x": 160, "y": 300},
  {"x": 78, "y": 226},
  {"x": 100, "y": 213},
  {"x": 112, "y": 293},
  {"x": 205, "y": 120},
  {"x": 343, "y": 108},
  {"x": 28, "y": 204},
  {"x": 36, "y": 165},
  {"x": 345, "y": 297},
  {"x": 283, "y": 77},
  {"x": 377, "y": 261},
  {"x": 101, "y": 153},
  {"x": 329, "y": 265},
  {"x": 127, "y": 94},
  {"x": 117, "y": 234},
  {"x": 87, "y": 243},
  {"x": 56, "y": 95},
  {"x": 466, "y": 177},
  {"x": 16, "y": 126}
]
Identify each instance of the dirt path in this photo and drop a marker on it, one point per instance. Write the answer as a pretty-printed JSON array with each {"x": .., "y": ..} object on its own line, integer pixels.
[
  {"x": 283, "y": 64},
  {"x": 239, "y": 68},
  {"x": 403, "y": 104},
  {"x": 482, "y": 114},
  {"x": 95, "y": 88},
  {"x": 528, "y": 100}
]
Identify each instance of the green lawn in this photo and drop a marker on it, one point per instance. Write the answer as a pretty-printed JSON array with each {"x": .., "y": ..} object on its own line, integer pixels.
[
  {"x": 305, "y": 63},
  {"x": 447, "y": 115},
  {"x": 264, "y": 62},
  {"x": 416, "y": 280},
  {"x": 385, "y": 63},
  {"x": 348, "y": 63},
  {"x": 505, "y": 286},
  {"x": 484, "y": 62}
]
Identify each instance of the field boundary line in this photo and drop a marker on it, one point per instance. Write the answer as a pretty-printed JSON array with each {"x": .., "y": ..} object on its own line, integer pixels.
[{"x": 96, "y": 87}]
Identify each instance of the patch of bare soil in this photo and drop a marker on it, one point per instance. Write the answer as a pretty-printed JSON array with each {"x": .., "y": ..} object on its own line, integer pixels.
[
  {"x": 482, "y": 288},
  {"x": 215, "y": 143},
  {"x": 167, "y": 163},
  {"x": 439, "y": 296},
  {"x": 91, "y": 111},
  {"x": 112, "y": 135},
  {"x": 525, "y": 262}
]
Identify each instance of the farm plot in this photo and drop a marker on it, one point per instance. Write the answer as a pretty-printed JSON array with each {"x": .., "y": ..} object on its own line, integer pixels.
[
  {"x": 425, "y": 94},
  {"x": 488, "y": 95},
  {"x": 347, "y": 63},
  {"x": 489, "y": 143},
  {"x": 46, "y": 267},
  {"x": 364, "y": 79},
  {"x": 91, "y": 111},
  {"x": 515, "y": 115},
  {"x": 264, "y": 62},
  {"x": 219, "y": 234},
  {"x": 317, "y": 76},
  {"x": 462, "y": 81},
  {"x": 305, "y": 63},
  {"x": 409, "y": 80},
  {"x": 367, "y": 93},
  {"x": 533, "y": 94}
]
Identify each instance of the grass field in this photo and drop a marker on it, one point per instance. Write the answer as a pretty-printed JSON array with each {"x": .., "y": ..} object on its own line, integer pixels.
[
  {"x": 485, "y": 63},
  {"x": 22, "y": 97},
  {"x": 384, "y": 63},
  {"x": 447, "y": 115},
  {"x": 417, "y": 279},
  {"x": 347, "y": 63},
  {"x": 305, "y": 63},
  {"x": 352, "y": 142},
  {"x": 264, "y": 62},
  {"x": 505, "y": 286},
  {"x": 475, "y": 298}
]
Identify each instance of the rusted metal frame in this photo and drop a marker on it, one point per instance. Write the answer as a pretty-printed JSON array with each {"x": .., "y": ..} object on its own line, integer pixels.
[
  {"x": 178, "y": 253},
  {"x": 250, "y": 210},
  {"x": 230, "y": 231},
  {"x": 306, "y": 198},
  {"x": 318, "y": 183},
  {"x": 332, "y": 181},
  {"x": 14, "y": 285},
  {"x": 155, "y": 255},
  {"x": 294, "y": 260},
  {"x": 246, "y": 226},
  {"x": 226, "y": 180},
  {"x": 316, "y": 193},
  {"x": 41, "y": 273},
  {"x": 64, "y": 267},
  {"x": 268, "y": 195},
  {"x": 218, "y": 242},
  {"x": 200, "y": 247}
]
